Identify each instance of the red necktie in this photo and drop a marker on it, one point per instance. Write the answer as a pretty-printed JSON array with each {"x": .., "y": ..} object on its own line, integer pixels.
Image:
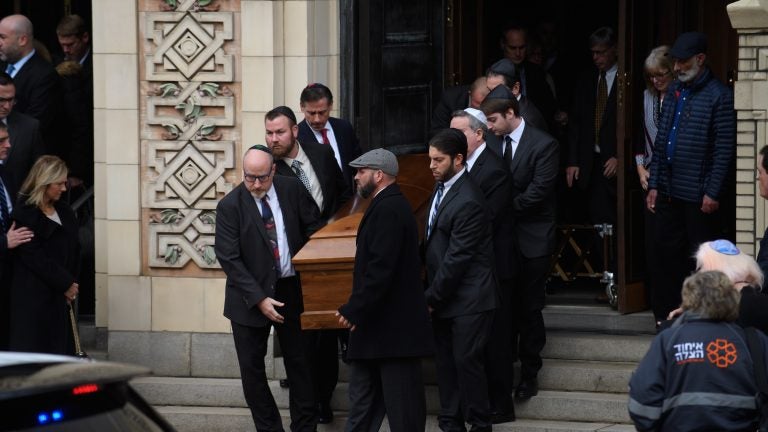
[{"x": 324, "y": 132}]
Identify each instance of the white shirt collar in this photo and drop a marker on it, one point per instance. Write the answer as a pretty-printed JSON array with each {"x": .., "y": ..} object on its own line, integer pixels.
[
  {"x": 475, "y": 154},
  {"x": 20, "y": 64}
]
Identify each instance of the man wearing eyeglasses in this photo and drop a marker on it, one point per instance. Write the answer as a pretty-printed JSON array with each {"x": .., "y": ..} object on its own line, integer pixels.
[
  {"x": 260, "y": 226},
  {"x": 25, "y": 138},
  {"x": 692, "y": 162}
]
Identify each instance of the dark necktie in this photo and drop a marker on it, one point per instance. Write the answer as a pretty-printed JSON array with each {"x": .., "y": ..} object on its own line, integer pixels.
[
  {"x": 438, "y": 198},
  {"x": 296, "y": 166},
  {"x": 269, "y": 225},
  {"x": 508, "y": 149},
  {"x": 324, "y": 132},
  {"x": 5, "y": 223},
  {"x": 602, "y": 100}
]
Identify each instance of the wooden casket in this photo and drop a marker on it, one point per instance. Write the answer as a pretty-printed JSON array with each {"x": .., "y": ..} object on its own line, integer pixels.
[{"x": 325, "y": 263}]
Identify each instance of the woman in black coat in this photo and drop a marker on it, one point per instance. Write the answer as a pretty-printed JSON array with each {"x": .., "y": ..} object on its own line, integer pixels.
[{"x": 45, "y": 269}]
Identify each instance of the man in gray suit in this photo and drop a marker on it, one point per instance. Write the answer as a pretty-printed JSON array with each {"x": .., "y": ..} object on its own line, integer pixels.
[
  {"x": 532, "y": 156},
  {"x": 461, "y": 284},
  {"x": 260, "y": 225}
]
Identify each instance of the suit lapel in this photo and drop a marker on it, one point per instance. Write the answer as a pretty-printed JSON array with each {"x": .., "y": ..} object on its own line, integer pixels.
[{"x": 523, "y": 148}]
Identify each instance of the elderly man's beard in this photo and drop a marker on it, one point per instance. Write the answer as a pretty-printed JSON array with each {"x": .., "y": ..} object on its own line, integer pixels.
[{"x": 690, "y": 74}]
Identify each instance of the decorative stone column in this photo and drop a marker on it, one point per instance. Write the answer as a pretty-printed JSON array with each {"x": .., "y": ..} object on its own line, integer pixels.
[
  {"x": 181, "y": 88},
  {"x": 750, "y": 19}
]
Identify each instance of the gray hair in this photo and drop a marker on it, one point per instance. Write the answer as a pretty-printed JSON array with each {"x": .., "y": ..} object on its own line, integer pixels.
[{"x": 474, "y": 123}]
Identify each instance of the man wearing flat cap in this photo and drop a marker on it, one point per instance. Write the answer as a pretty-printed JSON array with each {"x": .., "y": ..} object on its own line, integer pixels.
[
  {"x": 387, "y": 314},
  {"x": 695, "y": 145}
]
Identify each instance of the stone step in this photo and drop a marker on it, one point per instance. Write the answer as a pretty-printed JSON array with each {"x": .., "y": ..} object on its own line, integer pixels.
[
  {"x": 92, "y": 338},
  {"x": 209, "y": 419},
  {"x": 596, "y": 347},
  {"x": 216, "y": 392},
  {"x": 601, "y": 319},
  {"x": 566, "y": 375}
]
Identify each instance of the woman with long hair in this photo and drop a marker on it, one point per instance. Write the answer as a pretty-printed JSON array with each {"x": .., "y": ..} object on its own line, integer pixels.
[{"x": 46, "y": 268}]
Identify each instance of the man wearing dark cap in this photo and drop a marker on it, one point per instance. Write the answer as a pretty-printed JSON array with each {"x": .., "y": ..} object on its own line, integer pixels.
[
  {"x": 386, "y": 312},
  {"x": 461, "y": 284},
  {"x": 315, "y": 165},
  {"x": 504, "y": 72},
  {"x": 695, "y": 145},
  {"x": 532, "y": 157}
]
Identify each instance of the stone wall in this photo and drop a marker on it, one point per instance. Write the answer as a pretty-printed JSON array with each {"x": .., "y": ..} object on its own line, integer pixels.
[
  {"x": 181, "y": 88},
  {"x": 750, "y": 19}
]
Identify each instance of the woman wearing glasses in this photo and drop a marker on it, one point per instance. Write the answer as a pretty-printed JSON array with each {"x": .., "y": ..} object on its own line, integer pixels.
[{"x": 658, "y": 76}]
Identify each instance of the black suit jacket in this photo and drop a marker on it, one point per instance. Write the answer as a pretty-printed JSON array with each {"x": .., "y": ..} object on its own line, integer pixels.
[
  {"x": 346, "y": 138},
  {"x": 533, "y": 170},
  {"x": 243, "y": 249},
  {"x": 581, "y": 129},
  {"x": 492, "y": 176},
  {"x": 459, "y": 254},
  {"x": 38, "y": 94},
  {"x": 537, "y": 90},
  {"x": 387, "y": 304},
  {"x": 26, "y": 147},
  {"x": 336, "y": 191},
  {"x": 453, "y": 99}
]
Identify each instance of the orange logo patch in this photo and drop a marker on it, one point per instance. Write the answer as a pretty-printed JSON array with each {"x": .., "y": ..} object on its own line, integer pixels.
[{"x": 721, "y": 353}]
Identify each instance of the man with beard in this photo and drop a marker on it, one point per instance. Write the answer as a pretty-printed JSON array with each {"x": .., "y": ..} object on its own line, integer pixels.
[
  {"x": 316, "y": 166},
  {"x": 461, "y": 284},
  {"x": 692, "y": 161},
  {"x": 260, "y": 225},
  {"x": 312, "y": 163},
  {"x": 386, "y": 310}
]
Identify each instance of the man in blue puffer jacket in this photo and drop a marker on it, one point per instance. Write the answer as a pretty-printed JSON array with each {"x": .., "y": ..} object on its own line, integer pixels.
[{"x": 695, "y": 145}]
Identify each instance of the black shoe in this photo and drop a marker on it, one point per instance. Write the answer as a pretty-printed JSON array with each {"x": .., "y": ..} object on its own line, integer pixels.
[
  {"x": 503, "y": 417},
  {"x": 527, "y": 389},
  {"x": 284, "y": 383},
  {"x": 324, "y": 413}
]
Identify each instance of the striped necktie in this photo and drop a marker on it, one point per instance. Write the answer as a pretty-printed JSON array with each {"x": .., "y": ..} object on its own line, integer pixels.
[{"x": 438, "y": 198}]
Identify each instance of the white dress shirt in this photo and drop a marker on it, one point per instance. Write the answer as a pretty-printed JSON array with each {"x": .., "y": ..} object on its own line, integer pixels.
[{"x": 286, "y": 267}]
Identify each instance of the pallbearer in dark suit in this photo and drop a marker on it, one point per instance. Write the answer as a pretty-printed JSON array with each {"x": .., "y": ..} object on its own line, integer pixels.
[
  {"x": 312, "y": 163},
  {"x": 318, "y": 126},
  {"x": 461, "y": 284},
  {"x": 260, "y": 225},
  {"x": 491, "y": 174},
  {"x": 10, "y": 238},
  {"x": 386, "y": 311},
  {"x": 315, "y": 165},
  {"x": 532, "y": 156}
]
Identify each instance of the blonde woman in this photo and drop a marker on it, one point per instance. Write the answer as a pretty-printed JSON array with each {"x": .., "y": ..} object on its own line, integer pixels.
[
  {"x": 45, "y": 269},
  {"x": 658, "y": 75}
]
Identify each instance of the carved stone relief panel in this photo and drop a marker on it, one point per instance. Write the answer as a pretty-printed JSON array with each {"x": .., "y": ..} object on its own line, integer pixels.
[{"x": 188, "y": 111}]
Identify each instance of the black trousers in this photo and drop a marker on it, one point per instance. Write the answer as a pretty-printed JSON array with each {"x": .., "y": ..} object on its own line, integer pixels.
[
  {"x": 681, "y": 227},
  {"x": 498, "y": 352},
  {"x": 322, "y": 347},
  {"x": 394, "y": 387},
  {"x": 528, "y": 298},
  {"x": 460, "y": 359},
  {"x": 251, "y": 347}
]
